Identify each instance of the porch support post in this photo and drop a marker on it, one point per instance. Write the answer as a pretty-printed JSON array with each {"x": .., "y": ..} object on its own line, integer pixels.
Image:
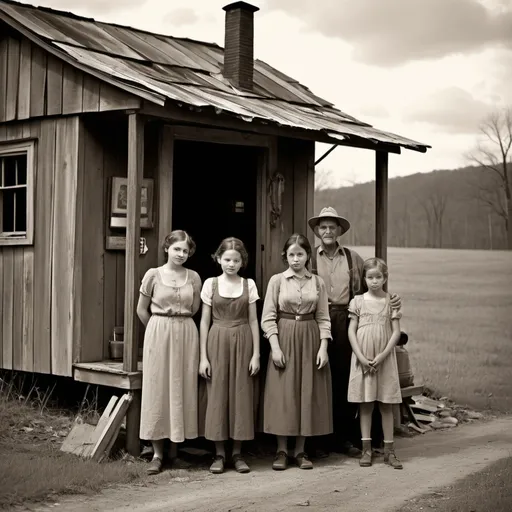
[
  {"x": 135, "y": 173},
  {"x": 131, "y": 321},
  {"x": 165, "y": 186},
  {"x": 381, "y": 205}
]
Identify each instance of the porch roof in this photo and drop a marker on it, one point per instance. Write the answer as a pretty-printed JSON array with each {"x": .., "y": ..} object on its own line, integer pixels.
[{"x": 187, "y": 73}]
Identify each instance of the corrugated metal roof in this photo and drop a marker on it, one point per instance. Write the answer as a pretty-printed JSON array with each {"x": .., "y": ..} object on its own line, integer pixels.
[{"x": 189, "y": 72}]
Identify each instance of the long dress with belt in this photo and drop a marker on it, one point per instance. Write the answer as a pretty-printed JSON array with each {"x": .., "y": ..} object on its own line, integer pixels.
[
  {"x": 230, "y": 391},
  {"x": 170, "y": 361},
  {"x": 298, "y": 398}
]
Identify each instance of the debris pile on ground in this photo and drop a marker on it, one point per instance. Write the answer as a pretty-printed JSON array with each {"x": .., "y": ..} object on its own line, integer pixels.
[
  {"x": 425, "y": 413},
  {"x": 23, "y": 424}
]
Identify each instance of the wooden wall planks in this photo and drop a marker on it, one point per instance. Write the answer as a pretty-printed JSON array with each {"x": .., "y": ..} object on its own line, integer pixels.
[
  {"x": 89, "y": 342},
  {"x": 36, "y": 280},
  {"x": 294, "y": 159},
  {"x": 43, "y": 241},
  {"x": 34, "y": 83},
  {"x": 1, "y": 309},
  {"x": 63, "y": 246},
  {"x": 8, "y": 307},
  {"x": 12, "y": 79}
]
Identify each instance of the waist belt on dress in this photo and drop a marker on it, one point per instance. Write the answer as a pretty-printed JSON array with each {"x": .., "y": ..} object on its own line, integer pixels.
[
  {"x": 230, "y": 323},
  {"x": 292, "y": 316},
  {"x": 171, "y": 316}
]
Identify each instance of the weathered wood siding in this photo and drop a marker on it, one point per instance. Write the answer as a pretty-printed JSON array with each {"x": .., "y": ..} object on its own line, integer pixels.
[
  {"x": 294, "y": 159},
  {"x": 61, "y": 297},
  {"x": 37, "y": 282},
  {"x": 34, "y": 83},
  {"x": 104, "y": 155}
]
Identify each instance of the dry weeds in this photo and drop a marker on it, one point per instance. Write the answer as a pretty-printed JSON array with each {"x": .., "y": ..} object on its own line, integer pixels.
[{"x": 31, "y": 466}]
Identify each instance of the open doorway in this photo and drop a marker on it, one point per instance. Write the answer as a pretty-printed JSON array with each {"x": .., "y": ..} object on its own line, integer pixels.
[{"x": 215, "y": 196}]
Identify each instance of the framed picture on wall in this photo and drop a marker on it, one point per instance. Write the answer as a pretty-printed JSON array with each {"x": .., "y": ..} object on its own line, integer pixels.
[{"x": 119, "y": 203}]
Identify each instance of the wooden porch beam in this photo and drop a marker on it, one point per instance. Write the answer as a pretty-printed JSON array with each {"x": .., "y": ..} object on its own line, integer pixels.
[
  {"x": 135, "y": 174},
  {"x": 176, "y": 114},
  {"x": 381, "y": 205},
  {"x": 204, "y": 134}
]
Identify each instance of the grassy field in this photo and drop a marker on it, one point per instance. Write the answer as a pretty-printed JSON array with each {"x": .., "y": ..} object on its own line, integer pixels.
[{"x": 457, "y": 310}]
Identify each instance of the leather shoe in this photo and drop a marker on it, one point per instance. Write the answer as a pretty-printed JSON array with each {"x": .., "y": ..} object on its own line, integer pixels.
[
  {"x": 303, "y": 461},
  {"x": 217, "y": 466},
  {"x": 280, "y": 461},
  {"x": 155, "y": 466},
  {"x": 239, "y": 464}
]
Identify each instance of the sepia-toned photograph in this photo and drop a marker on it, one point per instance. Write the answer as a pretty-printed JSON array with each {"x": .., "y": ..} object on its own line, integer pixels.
[{"x": 310, "y": 309}]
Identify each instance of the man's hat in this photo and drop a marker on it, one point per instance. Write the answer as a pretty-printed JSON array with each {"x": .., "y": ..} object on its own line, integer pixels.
[{"x": 329, "y": 213}]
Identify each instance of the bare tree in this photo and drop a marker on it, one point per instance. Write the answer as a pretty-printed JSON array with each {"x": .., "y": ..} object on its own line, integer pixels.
[
  {"x": 493, "y": 153},
  {"x": 323, "y": 179},
  {"x": 434, "y": 206}
]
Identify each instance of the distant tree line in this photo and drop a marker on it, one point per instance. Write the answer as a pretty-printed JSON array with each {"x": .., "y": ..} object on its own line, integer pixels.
[{"x": 440, "y": 209}]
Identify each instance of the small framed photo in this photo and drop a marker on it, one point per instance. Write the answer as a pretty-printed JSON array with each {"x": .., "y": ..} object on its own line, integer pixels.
[{"x": 119, "y": 203}]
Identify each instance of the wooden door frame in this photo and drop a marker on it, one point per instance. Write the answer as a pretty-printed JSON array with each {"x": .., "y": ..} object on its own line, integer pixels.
[{"x": 170, "y": 133}]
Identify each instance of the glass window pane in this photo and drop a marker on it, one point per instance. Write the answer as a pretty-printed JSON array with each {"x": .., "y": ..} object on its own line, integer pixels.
[
  {"x": 8, "y": 210},
  {"x": 21, "y": 210},
  {"x": 10, "y": 171},
  {"x": 22, "y": 169}
]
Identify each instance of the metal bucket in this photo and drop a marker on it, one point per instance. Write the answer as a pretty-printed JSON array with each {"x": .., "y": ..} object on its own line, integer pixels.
[
  {"x": 116, "y": 345},
  {"x": 116, "y": 349},
  {"x": 405, "y": 374}
]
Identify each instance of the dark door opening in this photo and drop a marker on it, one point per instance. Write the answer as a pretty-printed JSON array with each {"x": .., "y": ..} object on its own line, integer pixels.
[{"x": 214, "y": 197}]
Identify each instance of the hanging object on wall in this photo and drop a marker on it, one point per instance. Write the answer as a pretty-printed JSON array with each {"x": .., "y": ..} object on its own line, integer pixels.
[
  {"x": 119, "y": 203},
  {"x": 118, "y": 243},
  {"x": 275, "y": 192},
  {"x": 143, "y": 248}
]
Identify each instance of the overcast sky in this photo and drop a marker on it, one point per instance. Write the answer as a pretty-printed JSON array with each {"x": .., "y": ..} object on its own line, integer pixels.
[{"x": 426, "y": 69}]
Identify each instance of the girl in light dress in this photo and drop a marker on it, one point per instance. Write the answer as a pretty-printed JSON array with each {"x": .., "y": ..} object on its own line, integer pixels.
[
  {"x": 230, "y": 354},
  {"x": 295, "y": 320},
  {"x": 374, "y": 331},
  {"x": 169, "y": 297}
]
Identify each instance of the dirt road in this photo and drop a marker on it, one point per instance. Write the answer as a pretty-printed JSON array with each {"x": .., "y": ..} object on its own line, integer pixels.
[{"x": 432, "y": 460}]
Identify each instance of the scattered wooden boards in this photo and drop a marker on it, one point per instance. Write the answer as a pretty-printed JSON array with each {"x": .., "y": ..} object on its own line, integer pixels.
[
  {"x": 424, "y": 407},
  {"x": 95, "y": 442}
]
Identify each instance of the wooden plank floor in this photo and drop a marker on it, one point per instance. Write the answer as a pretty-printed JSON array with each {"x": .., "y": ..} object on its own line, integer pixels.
[
  {"x": 108, "y": 366},
  {"x": 108, "y": 373}
]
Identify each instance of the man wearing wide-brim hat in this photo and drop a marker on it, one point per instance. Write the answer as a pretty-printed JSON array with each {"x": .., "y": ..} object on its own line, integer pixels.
[{"x": 341, "y": 269}]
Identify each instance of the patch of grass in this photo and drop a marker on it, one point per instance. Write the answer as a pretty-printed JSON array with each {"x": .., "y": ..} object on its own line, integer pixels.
[
  {"x": 34, "y": 473},
  {"x": 485, "y": 490},
  {"x": 32, "y": 467},
  {"x": 457, "y": 311}
]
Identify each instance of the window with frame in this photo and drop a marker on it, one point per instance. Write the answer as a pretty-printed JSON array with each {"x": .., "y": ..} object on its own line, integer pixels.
[{"x": 16, "y": 193}]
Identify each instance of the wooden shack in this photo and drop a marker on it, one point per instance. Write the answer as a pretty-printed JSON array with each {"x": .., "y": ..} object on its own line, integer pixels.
[{"x": 109, "y": 134}]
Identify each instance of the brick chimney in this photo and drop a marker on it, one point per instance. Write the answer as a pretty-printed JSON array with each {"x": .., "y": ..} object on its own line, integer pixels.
[{"x": 239, "y": 44}]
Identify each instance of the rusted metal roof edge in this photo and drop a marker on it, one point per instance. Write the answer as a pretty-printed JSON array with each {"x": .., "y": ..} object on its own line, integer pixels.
[
  {"x": 69, "y": 14},
  {"x": 159, "y": 99},
  {"x": 318, "y": 135}
]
